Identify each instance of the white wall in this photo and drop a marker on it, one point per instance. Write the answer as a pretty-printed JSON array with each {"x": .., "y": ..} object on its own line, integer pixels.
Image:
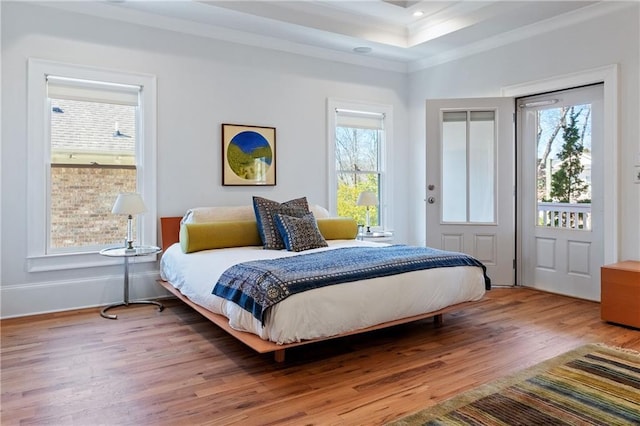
[
  {"x": 602, "y": 41},
  {"x": 201, "y": 84}
]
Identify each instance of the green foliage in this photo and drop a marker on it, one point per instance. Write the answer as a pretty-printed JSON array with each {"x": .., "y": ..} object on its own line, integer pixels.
[
  {"x": 262, "y": 152},
  {"x": 243, "y": 165},
  {"x": 566, "y": 185},
  {"x": 357, "y": 163},
  {"x": 348, "y": 197}
]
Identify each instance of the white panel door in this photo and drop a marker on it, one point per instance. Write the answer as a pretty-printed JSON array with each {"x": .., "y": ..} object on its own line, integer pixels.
[
  {"x": 561, "y": 163},
  {"x": 470, "y": 181}
]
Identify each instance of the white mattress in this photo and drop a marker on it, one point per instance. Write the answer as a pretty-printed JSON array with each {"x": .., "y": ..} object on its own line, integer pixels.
[{"x": 325, "y": 311}]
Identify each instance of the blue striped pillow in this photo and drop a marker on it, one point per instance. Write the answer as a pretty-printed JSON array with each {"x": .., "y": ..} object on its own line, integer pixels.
[{"x": 299, "y": 234}]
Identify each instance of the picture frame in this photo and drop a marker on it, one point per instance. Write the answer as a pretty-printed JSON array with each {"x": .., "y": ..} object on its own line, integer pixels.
[{"x": 248, "y": 155}]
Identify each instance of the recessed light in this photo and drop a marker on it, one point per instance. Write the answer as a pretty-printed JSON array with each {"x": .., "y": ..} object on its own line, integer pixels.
[
  {"x": 418, "y": 13},
  {"x": 362, "y": 49}
]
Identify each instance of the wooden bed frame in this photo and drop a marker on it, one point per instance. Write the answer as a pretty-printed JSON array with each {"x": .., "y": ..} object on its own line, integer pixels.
[{"x": 170, "y": 228}]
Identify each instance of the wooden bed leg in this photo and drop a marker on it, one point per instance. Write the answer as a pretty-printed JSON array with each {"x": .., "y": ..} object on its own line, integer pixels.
[
  {"x": 437, "y": 320},
  {"x": 279, "y": 355}
]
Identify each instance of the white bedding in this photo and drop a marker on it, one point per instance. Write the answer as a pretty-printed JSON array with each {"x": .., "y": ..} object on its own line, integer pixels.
[{"x": 325, "y": 311}]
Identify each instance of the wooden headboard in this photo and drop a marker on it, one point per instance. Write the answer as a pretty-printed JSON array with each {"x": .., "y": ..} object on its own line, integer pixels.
[{"x": 169, "y": 231}]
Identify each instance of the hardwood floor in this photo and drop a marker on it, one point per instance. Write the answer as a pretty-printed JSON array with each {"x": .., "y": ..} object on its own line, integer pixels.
[{"x": 174, "y": 367}]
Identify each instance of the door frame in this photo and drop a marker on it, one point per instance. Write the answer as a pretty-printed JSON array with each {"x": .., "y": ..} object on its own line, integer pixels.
[{"x": 609, "y": 76}]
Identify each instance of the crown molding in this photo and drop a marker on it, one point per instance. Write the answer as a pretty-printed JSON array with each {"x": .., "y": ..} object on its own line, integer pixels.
[{"x": 555, "y": 23}]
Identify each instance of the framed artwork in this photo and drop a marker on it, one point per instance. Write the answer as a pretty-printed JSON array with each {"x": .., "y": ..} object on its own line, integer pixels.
[{"x": 248, "y": 155}]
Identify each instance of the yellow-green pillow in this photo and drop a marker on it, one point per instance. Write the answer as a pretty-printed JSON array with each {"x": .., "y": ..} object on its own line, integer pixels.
[
  {"x": 214, "y": 235},
  {"x": 338, "y": 228}
]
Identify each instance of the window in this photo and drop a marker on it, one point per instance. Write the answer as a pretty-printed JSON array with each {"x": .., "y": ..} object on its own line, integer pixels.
[
  {"x": 563, "y": 166},
  {"x": 91, "y": 136},
  {"x": 468, "y": 166},
  {"x": 359, "y": 135}
]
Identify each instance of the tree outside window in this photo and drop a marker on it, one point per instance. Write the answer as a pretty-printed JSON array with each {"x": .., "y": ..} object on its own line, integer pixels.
[
  {"x": 358, "y": 169},
  {"x": 564, "y": 154},
  {"x": 564, "y": 167}
]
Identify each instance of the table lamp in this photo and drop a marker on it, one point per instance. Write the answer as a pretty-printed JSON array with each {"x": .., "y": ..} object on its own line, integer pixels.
[
  {"x": 129, "y": 203},
  {"x": 367, "y": 198}
]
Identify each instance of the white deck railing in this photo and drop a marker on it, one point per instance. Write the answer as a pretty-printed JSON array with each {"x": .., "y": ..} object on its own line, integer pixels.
[{"x": 565, "y": 215}]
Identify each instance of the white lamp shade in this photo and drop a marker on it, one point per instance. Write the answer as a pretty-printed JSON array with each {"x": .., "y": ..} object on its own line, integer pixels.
[
  {"x": 367, "y": 198},
  {"x": 129, "y": 203}
]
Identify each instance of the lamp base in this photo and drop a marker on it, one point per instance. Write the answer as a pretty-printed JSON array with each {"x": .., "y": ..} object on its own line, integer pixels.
[
  {"x": 129, "y": 240},
  {"x": 104, "y": 314}
]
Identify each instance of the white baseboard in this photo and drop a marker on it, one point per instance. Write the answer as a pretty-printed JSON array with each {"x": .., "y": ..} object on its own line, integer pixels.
[{"x": 45, "y": 297}]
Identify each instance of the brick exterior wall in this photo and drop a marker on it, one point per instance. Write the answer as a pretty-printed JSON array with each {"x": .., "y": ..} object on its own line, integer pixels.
[{"x": 81, "y": 203}]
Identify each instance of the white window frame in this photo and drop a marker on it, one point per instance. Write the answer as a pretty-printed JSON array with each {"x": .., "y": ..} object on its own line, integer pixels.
[
  {"x": 386, "y": 213},
  {"x": 38, "y": 119}
]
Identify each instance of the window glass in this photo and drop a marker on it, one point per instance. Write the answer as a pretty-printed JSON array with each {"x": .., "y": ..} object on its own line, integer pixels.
[
  {"x": 358, "y": 151},
  {"x": 454, "y": 167},
  {"x": 482, "y": 167},
  {"x": 468, "y": 166},
  {"x": 92, "y": 160},
  {"x": 563, "y": 167}
]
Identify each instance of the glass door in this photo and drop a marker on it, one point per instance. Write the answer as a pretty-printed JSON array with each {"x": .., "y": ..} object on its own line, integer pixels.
[
  {"x": 470, "y": 181},
  {"x": 562, "y": 193}
]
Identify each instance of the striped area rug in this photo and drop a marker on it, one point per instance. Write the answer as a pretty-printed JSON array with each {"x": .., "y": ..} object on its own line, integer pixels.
[{"x": 591, "y": 385}]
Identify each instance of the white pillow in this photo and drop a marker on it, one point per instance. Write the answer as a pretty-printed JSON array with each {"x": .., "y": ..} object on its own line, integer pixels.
[
  {"x": 218, "y": 214},
  {"x": 235, "y": 213},
  {"x": 319, "y": 211}
]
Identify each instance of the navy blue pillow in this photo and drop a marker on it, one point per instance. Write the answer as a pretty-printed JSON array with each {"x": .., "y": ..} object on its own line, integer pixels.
[
  {"x": 299, "y": 234},
  {"x": 266, "y": 210}
]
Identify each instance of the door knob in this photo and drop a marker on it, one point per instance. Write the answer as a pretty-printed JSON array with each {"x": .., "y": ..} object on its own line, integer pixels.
[{"x": 431, "y": 200}]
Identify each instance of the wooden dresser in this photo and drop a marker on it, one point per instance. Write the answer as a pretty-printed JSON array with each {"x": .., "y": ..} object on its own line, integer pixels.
[{"x": 620, "y": 293}]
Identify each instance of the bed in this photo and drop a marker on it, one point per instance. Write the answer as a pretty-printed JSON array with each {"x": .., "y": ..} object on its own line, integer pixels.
[{"x": 192, "y": 270}]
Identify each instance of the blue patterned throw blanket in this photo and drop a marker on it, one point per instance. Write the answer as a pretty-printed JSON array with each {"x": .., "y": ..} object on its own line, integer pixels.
[{"x": 257, "y": 285}]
